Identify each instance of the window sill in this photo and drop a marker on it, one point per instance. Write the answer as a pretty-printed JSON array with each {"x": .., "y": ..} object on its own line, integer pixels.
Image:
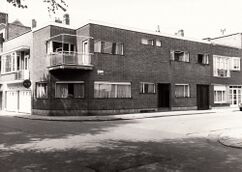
[
  {"x": 112, "y": 98},
  {"x": 109, "y": 54}
]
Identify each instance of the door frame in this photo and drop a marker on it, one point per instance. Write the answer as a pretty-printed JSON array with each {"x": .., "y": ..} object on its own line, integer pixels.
[
  {"x": 199, "y": 86},
  {"x": 159, "y": 93}
]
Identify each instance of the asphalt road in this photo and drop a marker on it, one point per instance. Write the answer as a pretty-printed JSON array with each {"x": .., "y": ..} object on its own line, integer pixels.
[{"x": 181, "y": 143}]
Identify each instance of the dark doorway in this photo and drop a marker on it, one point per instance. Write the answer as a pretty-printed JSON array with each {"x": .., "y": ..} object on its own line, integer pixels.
[
  {"x": 163, "y": 95},
  {"x": 202, "y": 97}
]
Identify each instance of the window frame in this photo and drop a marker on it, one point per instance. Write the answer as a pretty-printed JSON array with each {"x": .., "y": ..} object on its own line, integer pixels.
[
  {"x": 185, "y": 56},
  {"x": 184, "y": 92},
  {"x": 221, "y": 65},
  {"x": 146, "y": 41},
  {"x": 233, "y": 59},
  {"x": 205, "y": 59},
  {"x": 114, "y": 83},
  {"x": 114, "y": 47},
  {"x": 142, "y": 88},
  {"x": 70, "y": 82},
  {"x": 36, "y": 89}
]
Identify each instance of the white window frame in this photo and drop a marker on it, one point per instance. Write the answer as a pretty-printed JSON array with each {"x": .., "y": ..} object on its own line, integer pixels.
[
  {"x": 69, "y": 82},
  {"x": 146, "y": 41},
  {"x": 205, "y": 58},
  {"x": 184, "y": 92},
  {"x": 223, "y": 90},
  {"x": 221, "y": 66},
  {"x": 185, "y": 57},
  {"x": 114, "y": 83},
  {"x": 36, "y": 94},
  {"x": 142, "y": 87},
  {"x": 235, "y": 63}
]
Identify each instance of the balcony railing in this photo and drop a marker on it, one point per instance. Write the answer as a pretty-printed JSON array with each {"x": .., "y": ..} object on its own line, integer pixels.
[
  {"x": 22, "y": 75},
  {"x": 69, "y": 60}
]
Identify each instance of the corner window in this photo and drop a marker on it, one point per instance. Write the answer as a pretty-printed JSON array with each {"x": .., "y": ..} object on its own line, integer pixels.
[
  {"x": 182, "y": 90},
  {"x": 69, "y": 90},
  {"x": 235, "y": 64},
  {"x": 41, "y": 90},
  {"x": 112, "y": 90},
  {"x": 146, "y": 41},
  {"x": 181, "y": 56},
  {"x": 203, "y": 58},
  {"x": 108, "y": 47},
  {"x": 147, "y": 88}
]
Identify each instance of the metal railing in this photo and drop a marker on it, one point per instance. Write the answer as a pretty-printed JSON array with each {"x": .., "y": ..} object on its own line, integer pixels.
[{"x": 69, "y": 58}]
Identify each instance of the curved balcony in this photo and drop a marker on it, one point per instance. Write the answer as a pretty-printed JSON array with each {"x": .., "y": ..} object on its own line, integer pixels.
[{"x": 69, "y": 60}]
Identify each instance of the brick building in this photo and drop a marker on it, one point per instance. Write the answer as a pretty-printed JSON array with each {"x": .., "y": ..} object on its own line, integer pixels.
[{"x": 102, "y": 69}]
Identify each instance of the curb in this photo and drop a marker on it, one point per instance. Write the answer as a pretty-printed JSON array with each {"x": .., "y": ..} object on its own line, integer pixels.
[{"x": 101, "y": 118}]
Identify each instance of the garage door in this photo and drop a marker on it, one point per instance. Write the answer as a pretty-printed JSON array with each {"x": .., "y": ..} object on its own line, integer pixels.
[
  {"x": 12, "y": 101},
  {"x": 25, "y": 101}
]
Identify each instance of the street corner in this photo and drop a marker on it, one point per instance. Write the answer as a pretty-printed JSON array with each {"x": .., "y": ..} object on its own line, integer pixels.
[{"x": 231, "y": 138}]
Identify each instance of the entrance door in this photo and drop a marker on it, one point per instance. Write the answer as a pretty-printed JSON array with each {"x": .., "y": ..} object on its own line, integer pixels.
[
  {"x": 163, "y": 95},
  {"x": 202, "y": 97},
  {"x": 235, "y": 95}
]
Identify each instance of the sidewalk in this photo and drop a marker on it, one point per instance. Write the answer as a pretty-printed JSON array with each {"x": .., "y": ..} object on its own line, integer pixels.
[
  {"x": 115, "y": 117},
  {"x": 119, "y": 117}
]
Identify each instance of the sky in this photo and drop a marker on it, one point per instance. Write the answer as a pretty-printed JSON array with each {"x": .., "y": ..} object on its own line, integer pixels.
[{"x": 198, "y": 18}]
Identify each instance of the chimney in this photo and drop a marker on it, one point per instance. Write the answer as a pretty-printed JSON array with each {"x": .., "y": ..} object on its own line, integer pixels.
[
  {"x": 66, "y": 19},
  {"x": 34, "y": 23},
  {"x": 58, "y": 20},
  {"x": 180, "y": 33},
  {"x": 3, "y": 18}
]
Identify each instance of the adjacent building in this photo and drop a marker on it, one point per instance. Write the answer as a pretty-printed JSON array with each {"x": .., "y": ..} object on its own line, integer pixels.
[{"x": 105, "y": 69}]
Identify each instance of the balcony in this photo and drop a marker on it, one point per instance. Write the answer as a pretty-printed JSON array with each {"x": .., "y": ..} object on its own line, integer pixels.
[
  {"x": 22, "y": 75},
  {"x": 69, "y": 60}
]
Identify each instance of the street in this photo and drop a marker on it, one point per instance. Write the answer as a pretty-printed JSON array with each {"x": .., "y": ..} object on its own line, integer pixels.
[{"x": 178, "y": 143}]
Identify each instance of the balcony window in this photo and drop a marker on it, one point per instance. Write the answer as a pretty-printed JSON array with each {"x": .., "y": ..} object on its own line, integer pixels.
[
  {"x": 203, "y": 58},
  {"x": 181, "y": 56},
  {"x": 60, "y": 47},
  {"x": 69, "y": 90},
  {"x": 108, "y": 47},
  {"x": 112, "y": 90}
]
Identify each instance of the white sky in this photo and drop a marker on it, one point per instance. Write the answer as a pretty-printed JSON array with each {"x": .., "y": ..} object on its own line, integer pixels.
[{"x": 198, "y": 18}]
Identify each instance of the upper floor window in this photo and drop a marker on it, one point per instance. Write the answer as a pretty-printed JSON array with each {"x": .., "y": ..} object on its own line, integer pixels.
[
  {"x": 108, "y": 47},
  {"x": 203, "y": 58},
  {"x": 69, "y": 89},
  {"x": 60, "y": 47},
  {"x": 182, "y": 56},
  {"x": 158, "y": 43},
  {"x": 147, "y": 88},
  {"x": 221, "y": 66},
  {"x": 112, "y": 90},
  {"x": 146, "y": 41},
  {"x": 235, "y": 63},
  {"x": 182, "y": 90}
]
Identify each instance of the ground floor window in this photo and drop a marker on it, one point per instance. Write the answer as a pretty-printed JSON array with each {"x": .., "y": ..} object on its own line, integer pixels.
[
  {"x": 147, "y": 88},
  {"x": 112, "y": 90},
  {"x": 41, "y": 90},
  {"x": 182, "y": 90},
  {"x": 69, "y": 90},
  {"x": 220, "y": 94}
]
